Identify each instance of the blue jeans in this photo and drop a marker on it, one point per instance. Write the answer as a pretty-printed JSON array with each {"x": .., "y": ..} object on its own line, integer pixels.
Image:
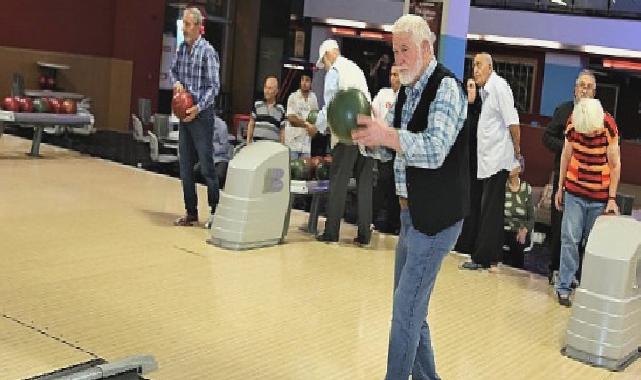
[
  {"x": 579, "y": 215},
  {"x": 418, "y": 260},
  {"x": 294, "y": 155},
  {"x": 195, "y": 145}
]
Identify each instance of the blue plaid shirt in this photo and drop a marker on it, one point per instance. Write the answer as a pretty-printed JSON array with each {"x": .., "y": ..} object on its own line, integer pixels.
[
  {"x": 429, "y": 148},
  {"x": 197, "y": 70}
]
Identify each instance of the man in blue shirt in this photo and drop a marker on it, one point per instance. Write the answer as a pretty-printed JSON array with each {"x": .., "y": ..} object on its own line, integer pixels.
[
  {"x": 195, "y": 70},
  {"x": 426, "y": 128},
  {"x": 221, "y": 150}
]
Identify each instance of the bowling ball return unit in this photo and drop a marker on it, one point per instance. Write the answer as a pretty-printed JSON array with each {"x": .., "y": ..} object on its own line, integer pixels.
[
  {"x": 254, "y": 206},
  {"x": 129, "y": 368},
  {"x": 38, "y": 121},
  {"x": 604, "y": 329}
]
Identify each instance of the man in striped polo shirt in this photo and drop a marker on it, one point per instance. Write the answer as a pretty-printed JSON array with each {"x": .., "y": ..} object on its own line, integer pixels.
[
  {"x": 196, "y": 70},
  {"x": 267, "y": 117},
  {"x": 588, "y": 180}
]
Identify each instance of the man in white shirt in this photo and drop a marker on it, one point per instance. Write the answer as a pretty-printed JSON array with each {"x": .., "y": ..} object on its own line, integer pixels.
[
  {"x": 299, "y": 131},
  {"x": 346, "y": 157},
  {"x": 386, "y": 97},
  {"x": 385, "y": 205},
  {"x": 498, "y": 147}
]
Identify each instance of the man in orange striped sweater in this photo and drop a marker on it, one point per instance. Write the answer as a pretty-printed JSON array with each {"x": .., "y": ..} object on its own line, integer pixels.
[{"x": 588, "y": 180}]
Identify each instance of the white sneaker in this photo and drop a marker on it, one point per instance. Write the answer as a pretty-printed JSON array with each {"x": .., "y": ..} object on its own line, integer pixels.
[{"x": 209, "y": 222}]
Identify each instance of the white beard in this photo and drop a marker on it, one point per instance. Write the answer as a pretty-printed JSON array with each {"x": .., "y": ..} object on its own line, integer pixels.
[
  {"x": 587, "y": 115},
  {"x": 411, "y": 74}
]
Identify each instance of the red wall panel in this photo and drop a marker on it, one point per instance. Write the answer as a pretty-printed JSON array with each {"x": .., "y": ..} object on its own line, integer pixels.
[
  {"x": 68, "y": 26},
  {"x": 137, "y": 35},
  {"x": 124, "y": 29}
]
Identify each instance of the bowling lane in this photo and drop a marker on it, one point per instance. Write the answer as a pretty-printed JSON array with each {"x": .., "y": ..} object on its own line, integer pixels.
[{"x": 26, "y": 352}]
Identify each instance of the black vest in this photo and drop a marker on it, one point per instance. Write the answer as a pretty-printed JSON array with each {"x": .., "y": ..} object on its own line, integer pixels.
[{"x": 439, "y": 197}]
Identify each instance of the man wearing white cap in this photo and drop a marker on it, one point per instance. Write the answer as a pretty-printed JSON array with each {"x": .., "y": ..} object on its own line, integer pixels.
[{"x": 346, "y": 158}]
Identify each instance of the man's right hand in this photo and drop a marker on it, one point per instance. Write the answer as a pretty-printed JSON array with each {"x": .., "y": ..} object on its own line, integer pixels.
[
  {"x": 558, "y": 199},
  {"x": 178, "y": 87}
]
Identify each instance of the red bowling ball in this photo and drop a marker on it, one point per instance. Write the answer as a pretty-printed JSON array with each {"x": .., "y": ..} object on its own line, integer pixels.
[
  {"x": 69, "y": 106},
  {"x": 55, "y": 105},
  {"x": 180, "y": 103},
  {"x": 10, "y": 103},
  {"x": 26, "y": 105},
  {"x": 42, "y": 81}
]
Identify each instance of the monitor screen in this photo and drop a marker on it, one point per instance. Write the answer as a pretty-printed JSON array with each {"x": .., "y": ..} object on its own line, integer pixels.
[{"x": 179, "y": 33}]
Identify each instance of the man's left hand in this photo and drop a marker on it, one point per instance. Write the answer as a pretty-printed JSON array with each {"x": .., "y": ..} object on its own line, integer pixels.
[
  {"x": 611, "y": 208},
  {"x": 521, "y": 235},
  {"x": 375, "y": 132},
  {"x": 191, "y": 112},
  {"x": 311, "y": 129}
]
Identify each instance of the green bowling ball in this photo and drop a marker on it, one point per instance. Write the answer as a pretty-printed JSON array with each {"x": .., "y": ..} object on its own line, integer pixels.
[
  {"x": 299, "y": 170},
  {"x": 40, "y": 105},
  {"x": 312, "y": 116},
  {"x": 322, "y": 171},
  {"x": 343, "y": 111}
]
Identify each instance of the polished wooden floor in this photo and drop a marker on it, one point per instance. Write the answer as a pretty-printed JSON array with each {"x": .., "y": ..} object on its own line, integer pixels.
[{"x": 90, "y": 266}]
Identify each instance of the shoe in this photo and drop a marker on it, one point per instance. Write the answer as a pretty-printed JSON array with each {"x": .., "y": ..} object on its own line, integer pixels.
[
  {"x": 470, "y": 265},
  {"x": 564, "y": 299},
  {"x": 325, "y": 239},
  {"x": 209, "y": 222},
  {"x": 360, "y": 242},
  {"x": 186, "y": 221}
]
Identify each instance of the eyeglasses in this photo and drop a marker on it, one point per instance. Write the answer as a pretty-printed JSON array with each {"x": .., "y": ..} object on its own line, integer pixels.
[{"x": 586, "y": 86}]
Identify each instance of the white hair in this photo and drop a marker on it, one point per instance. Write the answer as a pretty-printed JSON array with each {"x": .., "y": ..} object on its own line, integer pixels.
[
  {"x": 588, "y": 116},
  {"x": 486, "y": 57},
  {"x": 417, "y": 28},
  {"x": 586, "y": 72},
  {"x": 195, "y": 13}
]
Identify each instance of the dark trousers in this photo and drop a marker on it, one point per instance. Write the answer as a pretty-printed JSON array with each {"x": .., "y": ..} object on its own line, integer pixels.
[
  {"x": 221, "y": 173},
  {"x": 556, "y": 217},
  {"x": 489, "y": 240},
  {"x": 467, "y": 239},
  {"x": 385, "y": 205},
  {"x": 195, "y": 144},
  {"x": 347, "y": 160},
  {"x": 515, "y": 255}
]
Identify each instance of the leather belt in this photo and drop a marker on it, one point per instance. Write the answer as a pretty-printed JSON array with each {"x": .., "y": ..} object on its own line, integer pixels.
[{"x": 403, "y": 202}]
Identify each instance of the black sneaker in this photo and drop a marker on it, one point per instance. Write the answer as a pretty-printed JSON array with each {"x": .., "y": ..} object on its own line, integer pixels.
[
  {"x": 326, "y": 239},
  {"x": 471, "y": 265},
  {"x": 361, "y": 242},
  {"x": 564, "y": 299}
]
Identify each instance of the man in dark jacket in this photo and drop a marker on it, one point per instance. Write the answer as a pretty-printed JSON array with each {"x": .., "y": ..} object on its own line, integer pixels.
[{"x": 553, "y": 139}]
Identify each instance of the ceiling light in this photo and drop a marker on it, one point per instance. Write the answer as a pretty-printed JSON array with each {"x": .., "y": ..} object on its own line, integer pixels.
[{"x": 348, "y": 23}]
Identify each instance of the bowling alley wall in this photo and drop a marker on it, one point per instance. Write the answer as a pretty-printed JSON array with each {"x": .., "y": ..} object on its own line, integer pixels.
[{"x": 112, "y": 46}]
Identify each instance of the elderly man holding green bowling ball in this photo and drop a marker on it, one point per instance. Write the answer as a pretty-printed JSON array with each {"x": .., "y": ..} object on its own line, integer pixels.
[{"x": 426, "y": 128}]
